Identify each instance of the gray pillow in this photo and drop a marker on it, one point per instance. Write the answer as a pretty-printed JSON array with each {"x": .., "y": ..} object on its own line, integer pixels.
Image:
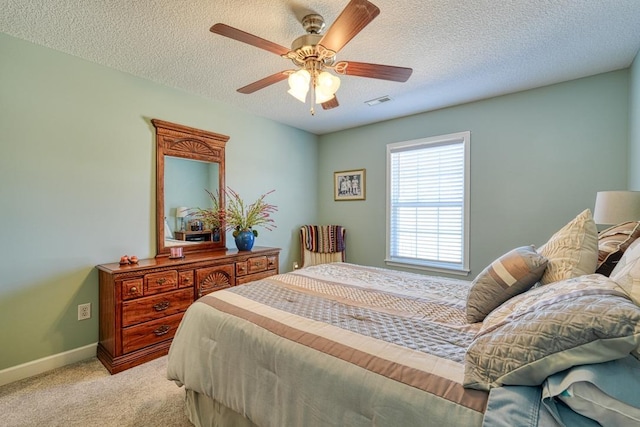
[
  {"x": 587, "y": 319},
  {"x": 510, "y": 275}
]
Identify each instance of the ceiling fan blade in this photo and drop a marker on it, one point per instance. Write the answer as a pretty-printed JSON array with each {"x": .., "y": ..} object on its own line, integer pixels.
[
  {"x": 355, "y": 16},
  {"x": 376, "y": 71},
  {"x": 262, "y": 83},
  {"x": 332, "y": 103},
  {"x": 241, "y": 36}
]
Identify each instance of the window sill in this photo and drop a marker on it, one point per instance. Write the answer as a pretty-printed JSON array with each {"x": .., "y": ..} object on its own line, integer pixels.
[{"x": 446, "y": 270}]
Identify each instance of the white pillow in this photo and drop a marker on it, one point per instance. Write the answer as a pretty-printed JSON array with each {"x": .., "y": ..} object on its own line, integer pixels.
[
  {"x": 627, "y": 272},
  {"x": 572, "y": 251}
]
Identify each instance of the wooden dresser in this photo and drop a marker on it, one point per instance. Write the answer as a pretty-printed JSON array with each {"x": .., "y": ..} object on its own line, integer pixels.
[{"x": 141, "y": 305}]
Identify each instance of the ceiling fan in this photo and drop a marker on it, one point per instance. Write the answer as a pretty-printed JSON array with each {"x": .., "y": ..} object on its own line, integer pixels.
[{"x": 315, "y": 55}]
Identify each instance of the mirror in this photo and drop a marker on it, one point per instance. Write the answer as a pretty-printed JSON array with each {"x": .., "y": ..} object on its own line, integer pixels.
[{"x": 188, "y": 162}]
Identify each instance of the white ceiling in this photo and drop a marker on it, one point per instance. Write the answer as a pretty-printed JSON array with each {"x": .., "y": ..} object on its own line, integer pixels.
[{"x": 460, "y": 50}]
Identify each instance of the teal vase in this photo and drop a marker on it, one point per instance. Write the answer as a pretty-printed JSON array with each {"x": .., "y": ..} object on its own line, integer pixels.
[{"x": 244, "y": 240}]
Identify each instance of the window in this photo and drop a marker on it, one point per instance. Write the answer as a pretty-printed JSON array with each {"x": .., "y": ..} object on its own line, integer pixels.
[{"x": 428, "y": 203}]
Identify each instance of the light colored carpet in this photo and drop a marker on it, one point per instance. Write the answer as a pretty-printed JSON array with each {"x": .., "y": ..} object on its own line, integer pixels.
[{"x": 84, "y": 394}]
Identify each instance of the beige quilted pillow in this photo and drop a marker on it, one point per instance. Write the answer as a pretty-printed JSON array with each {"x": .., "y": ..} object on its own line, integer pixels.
[
  {"x": 587, "y": 319},
  {"x": 572, "y": 251},
  {"x": 627, "y": 272},
  {"x": 511, "y": 274}
]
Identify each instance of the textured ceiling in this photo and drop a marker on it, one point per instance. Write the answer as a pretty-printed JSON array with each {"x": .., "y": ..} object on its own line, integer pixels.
[{"x": 460, "y": 51}]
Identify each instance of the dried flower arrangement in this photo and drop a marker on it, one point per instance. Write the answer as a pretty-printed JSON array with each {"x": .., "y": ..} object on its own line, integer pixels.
[{"x": 238, "y": 215}]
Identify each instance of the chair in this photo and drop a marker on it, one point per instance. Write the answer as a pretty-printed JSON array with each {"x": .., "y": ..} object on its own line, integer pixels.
[{"x": 322, "y": 244}]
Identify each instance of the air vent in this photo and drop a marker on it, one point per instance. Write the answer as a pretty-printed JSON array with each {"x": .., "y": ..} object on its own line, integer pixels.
[{"x": 377, "y": 101}]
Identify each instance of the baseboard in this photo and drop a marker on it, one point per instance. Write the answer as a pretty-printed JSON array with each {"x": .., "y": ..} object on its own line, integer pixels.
[{"x": 39, "y": 366}]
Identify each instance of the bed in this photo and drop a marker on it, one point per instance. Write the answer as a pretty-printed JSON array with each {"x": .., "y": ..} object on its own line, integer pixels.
[{"x": 348, "y": 345}]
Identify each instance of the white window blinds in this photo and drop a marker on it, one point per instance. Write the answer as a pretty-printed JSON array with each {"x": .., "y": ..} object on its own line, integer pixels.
[{"x": 427, "y": 202}]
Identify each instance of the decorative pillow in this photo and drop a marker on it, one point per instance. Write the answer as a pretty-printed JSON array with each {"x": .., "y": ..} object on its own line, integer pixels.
[
  {"x": 627, "y": 272},
  {"x": 572, "y": 251},
  {"x": 612, "y": 243},
  {"x": 583, "y": 320},
  {"x": 510, "y": 275}
]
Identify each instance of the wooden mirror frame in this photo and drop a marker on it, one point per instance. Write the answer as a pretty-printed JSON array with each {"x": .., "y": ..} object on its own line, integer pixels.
[{"x": 188, "y": 143}]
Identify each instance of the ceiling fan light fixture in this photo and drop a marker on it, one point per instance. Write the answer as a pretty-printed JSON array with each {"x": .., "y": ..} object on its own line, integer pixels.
[
  {"x": 299, "y": 95},
  {"x": 299, "y": 85},
  {"x": 322, "y": 97},
  {"x": 328, "y": 82},
  {"x": 326, "y": 87}
]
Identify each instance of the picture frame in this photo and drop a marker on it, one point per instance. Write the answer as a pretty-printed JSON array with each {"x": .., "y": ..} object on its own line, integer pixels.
[{"x": 349, "y": 185}]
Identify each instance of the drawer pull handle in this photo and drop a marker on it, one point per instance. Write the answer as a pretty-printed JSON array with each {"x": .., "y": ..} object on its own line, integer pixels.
[
  {"x": 187, "y": 280},
  {"x": 162, "y": 330},
  {"x": 133, "y": 290},
  {"x": 161, "y": 281},
  {"x": 162, "y": 305}
]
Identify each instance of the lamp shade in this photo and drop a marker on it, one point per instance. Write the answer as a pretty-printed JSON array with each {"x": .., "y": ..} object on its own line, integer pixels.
[
  {"x": 182, "y": 212},
  {"x": 299, "y": 84},
  {"x": 326, "y": 87},
  {"x": 614, "y": 207}
]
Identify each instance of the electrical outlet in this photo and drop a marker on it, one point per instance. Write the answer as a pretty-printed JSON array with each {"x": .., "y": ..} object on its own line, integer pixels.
[
  {"x": 295, "y": 265},
  {"x": 84, "y": 311}
]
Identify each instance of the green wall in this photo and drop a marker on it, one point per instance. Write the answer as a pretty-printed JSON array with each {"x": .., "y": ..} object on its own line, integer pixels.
[
  {"x": 537, "y": 160},
  {"x": 634, "y": 125},
  {"x": 77, "y": 185}
]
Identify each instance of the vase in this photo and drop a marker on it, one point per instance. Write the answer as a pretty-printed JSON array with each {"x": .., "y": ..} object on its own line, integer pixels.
[{"x": 244, "y": 240}]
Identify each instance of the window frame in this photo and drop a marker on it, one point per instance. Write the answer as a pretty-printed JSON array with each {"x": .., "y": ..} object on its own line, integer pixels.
[{"x": 463, "y": 138}]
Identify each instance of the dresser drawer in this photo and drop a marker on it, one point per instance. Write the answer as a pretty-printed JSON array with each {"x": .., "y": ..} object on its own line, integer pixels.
[
  {"x": 214, "y": 279},
  {"x": 160, "y": 282},
  {"x": 252, "y": 265},
  {"x": 272, "y": 262},
  {"x": 131, "y": 288},
  {"x": 241, "y": 268},
  {"x": 185, "y": 279},
  {"x": 146, "y": 334},
  {"x": 155, "y": 307}
]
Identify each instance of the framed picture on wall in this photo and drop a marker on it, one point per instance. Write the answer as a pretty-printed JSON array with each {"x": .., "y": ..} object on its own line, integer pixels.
[{"x": 349, "y": 185}]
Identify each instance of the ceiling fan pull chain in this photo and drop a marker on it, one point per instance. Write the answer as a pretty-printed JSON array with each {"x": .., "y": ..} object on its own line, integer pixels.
[{"x": 313, "y": 95}]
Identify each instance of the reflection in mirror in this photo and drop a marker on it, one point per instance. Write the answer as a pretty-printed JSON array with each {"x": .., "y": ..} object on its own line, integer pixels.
[
  {"x": 185, "y": 182},
  {"x": 188, "y": 162}
]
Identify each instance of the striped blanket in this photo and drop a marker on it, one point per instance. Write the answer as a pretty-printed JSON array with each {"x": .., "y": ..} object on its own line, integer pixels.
[
  {"x": 332, "y": 345},
  {"x": 324, "y": 238}
]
